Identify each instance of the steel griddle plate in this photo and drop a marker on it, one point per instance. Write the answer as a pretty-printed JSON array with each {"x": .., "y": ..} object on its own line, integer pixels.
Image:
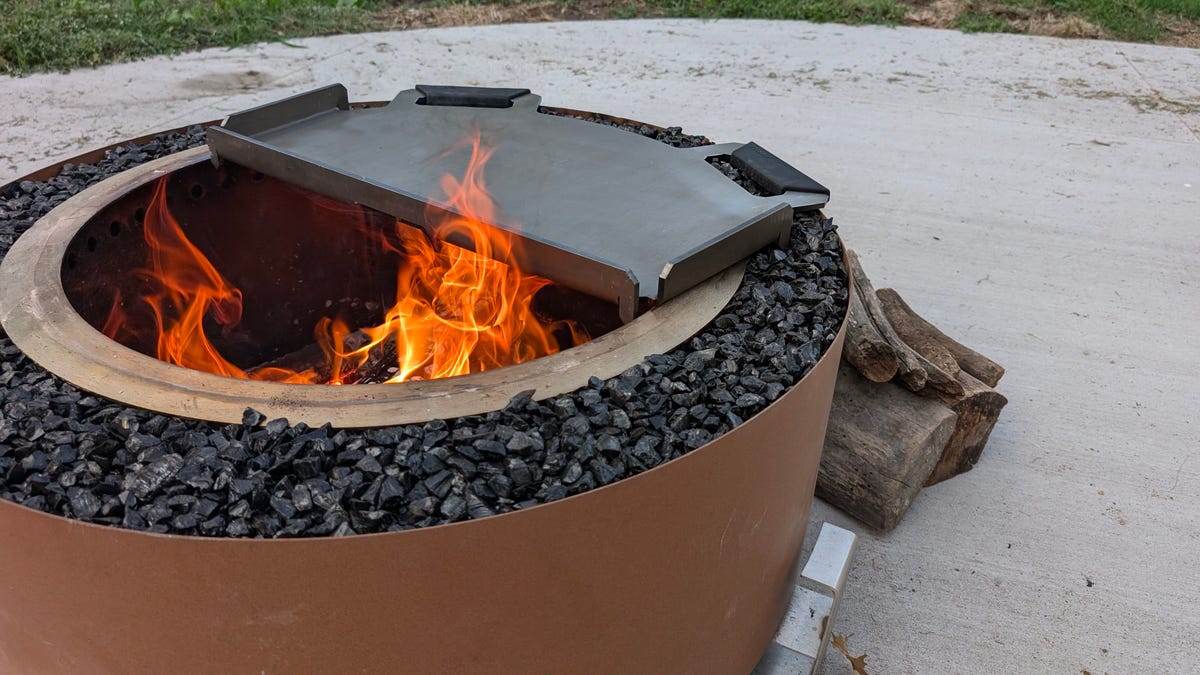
[{"x": 598, "y": 209}]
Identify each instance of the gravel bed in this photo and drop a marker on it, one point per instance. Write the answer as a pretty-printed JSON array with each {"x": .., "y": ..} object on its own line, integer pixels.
[{"x": 70, "y": 453}]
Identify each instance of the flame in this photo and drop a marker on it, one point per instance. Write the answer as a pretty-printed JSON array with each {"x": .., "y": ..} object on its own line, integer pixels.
[{"x": 457, "y": 310}]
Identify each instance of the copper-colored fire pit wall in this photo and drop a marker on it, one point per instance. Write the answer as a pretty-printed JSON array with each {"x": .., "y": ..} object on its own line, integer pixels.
[{"x": 682, "y": 569}]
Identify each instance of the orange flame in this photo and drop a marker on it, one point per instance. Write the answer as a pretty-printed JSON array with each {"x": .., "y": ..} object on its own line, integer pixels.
[{"x": 457, "y": 311}]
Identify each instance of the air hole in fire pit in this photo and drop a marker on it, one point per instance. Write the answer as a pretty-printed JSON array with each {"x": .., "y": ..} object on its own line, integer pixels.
[
  {"x": 197, "y": 191},
  {"x": 114, "y": 228},
  {"x": 91, "y": 244}
]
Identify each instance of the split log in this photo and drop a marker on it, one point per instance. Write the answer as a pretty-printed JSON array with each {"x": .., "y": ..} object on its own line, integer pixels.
[
  {"x": 917, "y": 331},
  {"x": 916, "y": 371},
  {"x": 865, "y": 348},
  {"x": 886, "y": 442},
  {"x": 977, "y": 408},
  {"x": 881, "y": 445}
]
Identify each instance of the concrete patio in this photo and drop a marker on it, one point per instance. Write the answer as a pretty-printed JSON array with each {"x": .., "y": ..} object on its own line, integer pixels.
[{"x": 1037, "y": 198}]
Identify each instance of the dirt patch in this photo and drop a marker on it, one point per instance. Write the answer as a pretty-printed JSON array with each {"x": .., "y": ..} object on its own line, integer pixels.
[
  {"x": 1180, "y": 32},
  {"x": 1046, "y": 23},
  {"x": 1144, "y": 103},
  {"x": 924, "y": 13},
  {"x": 420, "y": 15},
  {"x": 934, "y": 13}
]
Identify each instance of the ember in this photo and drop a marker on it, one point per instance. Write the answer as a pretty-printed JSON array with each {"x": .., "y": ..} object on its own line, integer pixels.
[{"x": 457, "y": 310}]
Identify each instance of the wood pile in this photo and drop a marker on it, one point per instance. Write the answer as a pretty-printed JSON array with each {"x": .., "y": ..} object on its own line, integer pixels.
[{"x": 912, "y": 407}]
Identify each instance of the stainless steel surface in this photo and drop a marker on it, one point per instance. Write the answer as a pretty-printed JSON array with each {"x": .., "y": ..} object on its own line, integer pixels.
[{"x": 598, "y": 209}]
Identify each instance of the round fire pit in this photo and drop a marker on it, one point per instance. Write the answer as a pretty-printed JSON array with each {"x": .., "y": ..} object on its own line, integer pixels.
[
  {"x": 61, "y": 280},
  {"x": 679, "y": 563}
]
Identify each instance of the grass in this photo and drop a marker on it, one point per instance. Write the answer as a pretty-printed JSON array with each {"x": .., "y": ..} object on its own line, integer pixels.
[
  {"x": 978, "y": 22},
  {"x": 1132, "y": 20},
  {"x": 825, "y": 11},
  {"x": 1135, "y": 20},
  {"x": 65, "y": 34}
]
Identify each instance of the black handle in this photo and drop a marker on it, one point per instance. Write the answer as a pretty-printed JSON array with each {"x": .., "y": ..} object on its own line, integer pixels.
[
  {"x": 772, "y": 173},
  {"x": 469, "y": 97}
]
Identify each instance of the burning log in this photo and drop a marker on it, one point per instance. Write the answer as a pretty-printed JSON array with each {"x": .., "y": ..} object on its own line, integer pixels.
[
  {"x": 886, "y": 441},
  {"x": 381, "y": 364},
  {"x": 310, "y": 357}
]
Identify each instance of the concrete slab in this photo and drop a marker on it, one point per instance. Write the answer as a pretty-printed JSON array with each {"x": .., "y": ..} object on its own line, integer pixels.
[{"x": 1037, "y": 198}]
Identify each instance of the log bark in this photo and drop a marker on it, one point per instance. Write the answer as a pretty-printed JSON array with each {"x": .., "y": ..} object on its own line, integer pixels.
[
  {"x": 917, "y": 332},
  {"x": 865, "y": 348},
  {"x": 881, "y": 445},
  {"x": 977, "y": 409},
  {"x": 916, "y": 371},
  {"x": 886, "y": 442}
]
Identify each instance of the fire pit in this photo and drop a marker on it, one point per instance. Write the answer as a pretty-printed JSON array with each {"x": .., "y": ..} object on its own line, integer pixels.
[{"x": 689, "y": 471}]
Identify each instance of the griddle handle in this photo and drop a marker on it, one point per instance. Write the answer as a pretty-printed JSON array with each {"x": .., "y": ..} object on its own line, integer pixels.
[
  {"x": 773, "y": 173},
  {"x": 469, "y": 97}
]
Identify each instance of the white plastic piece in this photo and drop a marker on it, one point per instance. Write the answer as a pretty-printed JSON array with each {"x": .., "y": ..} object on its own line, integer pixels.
[{"x": 800, "y": 643}]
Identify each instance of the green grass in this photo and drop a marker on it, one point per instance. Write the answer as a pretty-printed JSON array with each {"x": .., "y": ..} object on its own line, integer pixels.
[
  {"x": 839, "y": 11},
  {"x": 975, "y": 22},
  {"x": 63, "y": 34},
  {"x": 1136, "y": 20}
]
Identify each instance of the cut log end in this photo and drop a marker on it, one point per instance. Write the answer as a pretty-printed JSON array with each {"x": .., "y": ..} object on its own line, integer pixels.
[
  {"x": 865, "y": 348},
  {"x": 881, "y": 445},
  {"x": 920, "y": 333},
  {"x": 977, "y": 411},
  {"x": 885, "y": 442}
]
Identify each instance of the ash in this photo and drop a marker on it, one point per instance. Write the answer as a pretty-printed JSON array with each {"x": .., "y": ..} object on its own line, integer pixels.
[{"x": 73, "y": 454}]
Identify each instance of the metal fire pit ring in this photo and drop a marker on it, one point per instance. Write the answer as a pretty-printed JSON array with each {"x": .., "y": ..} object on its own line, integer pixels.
[
  {"x": 40, "y": 319},
  {"x": 684, "y": 568}
]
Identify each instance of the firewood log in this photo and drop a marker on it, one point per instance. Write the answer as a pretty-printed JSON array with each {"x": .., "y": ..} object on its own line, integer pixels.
[
  {"x": 881, "y": 445},
  {"x": 885, "y": 442},
  {"x": 977, "y": 409},
  {"x": 310, "y": 357},
  {"x": 865, "y": 348},
  {"x": 918, "y": 332},
  {"x": 977, "y": 405},
  {"x": 916, "y": 371}
]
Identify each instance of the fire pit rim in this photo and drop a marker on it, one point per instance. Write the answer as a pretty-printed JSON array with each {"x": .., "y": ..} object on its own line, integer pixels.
[{"x": 41, "y": 320}]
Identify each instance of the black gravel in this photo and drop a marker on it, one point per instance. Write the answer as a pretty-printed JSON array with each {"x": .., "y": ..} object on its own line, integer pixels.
[
  {"x": 673, "y": 136},
  {"x": 70, "y": 453}
]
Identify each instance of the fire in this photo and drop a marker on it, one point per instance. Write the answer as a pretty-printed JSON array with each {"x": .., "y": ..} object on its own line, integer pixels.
[{"x": 457, "y": 310}]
